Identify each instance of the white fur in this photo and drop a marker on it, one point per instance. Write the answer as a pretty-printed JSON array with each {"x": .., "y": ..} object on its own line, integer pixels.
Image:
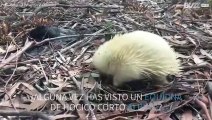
[{"x": 136, "y": 55}]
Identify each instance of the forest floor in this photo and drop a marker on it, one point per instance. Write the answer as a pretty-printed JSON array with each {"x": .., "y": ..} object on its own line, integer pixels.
[{"x": 53, "y": 79}]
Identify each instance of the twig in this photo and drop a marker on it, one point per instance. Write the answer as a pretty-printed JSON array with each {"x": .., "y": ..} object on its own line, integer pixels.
[
  {"x": 195, "y": 80},
  {"x": 47, "y": 80},
  {"x": 204, "y": 107},
  {"x": 94, "y": 34},
  {"x": 133, "y": 21},
  {"x": 70, "y": 36},
  {"x": 71, "y": 46},
  {"x": 12, "y": 57},
  {"x": 196, "y": 67},
  {"x": 81, "y": 54}
]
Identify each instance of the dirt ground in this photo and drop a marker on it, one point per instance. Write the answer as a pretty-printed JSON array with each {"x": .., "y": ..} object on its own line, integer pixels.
[{"x": 46, "y": 48}]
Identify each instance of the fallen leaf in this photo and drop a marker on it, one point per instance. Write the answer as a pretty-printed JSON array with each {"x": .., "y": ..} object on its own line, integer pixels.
[
  {"x": 187, "y": 115},
  {"x": 37, "y": 104},
  {"x": 12, "y": 91},
  {"x": 2, "y": 51},
  {"x": 197, "y": 60},
  {"x": 205, "y": 53}
]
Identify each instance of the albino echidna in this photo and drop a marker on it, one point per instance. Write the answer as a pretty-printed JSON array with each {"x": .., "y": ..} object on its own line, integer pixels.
[{"x": 136, "y": 55}]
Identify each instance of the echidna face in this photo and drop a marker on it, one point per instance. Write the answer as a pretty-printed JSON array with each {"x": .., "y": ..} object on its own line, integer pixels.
[{"x": 100, "y": 59}]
